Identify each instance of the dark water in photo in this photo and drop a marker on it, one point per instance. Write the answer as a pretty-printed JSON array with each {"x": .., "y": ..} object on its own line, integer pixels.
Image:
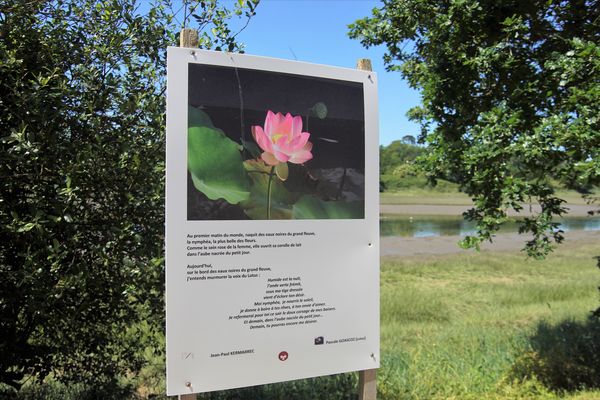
[{"x": 434, "y": 225}]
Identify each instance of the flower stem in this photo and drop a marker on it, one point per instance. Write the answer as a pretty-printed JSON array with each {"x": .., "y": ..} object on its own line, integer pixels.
[{"x": 269, "y": 192}]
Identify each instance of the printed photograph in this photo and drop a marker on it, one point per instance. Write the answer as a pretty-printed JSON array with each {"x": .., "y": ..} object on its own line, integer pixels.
[{"x": 267, "y": 145}]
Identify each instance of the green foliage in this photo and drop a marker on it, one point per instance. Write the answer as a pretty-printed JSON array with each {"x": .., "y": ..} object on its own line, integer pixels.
[
  {"x": 427, "y": 196},
  {"x": 82, "y": 211},
  {"x": 409, "y": 139},
  {"x": 310, "y": 207},
  {"x": 402, "y": 181},
  {"x": 405, "y": 171},
  {"x": 215, "y": 161},
  {"x": 334, "y": 387},
  {"x": 397, "y": 166},
  {"x": 81, "y": 195},
  {"x": 212, "y": 19},
  {"x": 397, "y": 154},
  {"x": 57, "y": 391},
  {"x": 510, "y": 98}
]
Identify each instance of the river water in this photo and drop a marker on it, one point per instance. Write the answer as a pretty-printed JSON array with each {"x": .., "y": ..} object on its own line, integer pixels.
[{"x": 435, "y": 225}]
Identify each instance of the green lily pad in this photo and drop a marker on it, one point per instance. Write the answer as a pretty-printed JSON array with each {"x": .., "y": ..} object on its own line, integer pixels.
[
  {"x": 281, "y": 199},
  {"x": 310, "y": 207},
  {"x": 197, "y": 117},
  {"x": 215, "y": 161}
]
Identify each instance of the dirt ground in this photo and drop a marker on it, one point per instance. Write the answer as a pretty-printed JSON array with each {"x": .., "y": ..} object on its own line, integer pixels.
[{"x": 411, "y": 246}]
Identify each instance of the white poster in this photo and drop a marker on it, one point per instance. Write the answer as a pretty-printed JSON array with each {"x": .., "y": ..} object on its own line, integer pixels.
[{"x": 272, "y": 228}]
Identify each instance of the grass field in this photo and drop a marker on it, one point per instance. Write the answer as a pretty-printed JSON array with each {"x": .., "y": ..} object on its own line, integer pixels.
[
  {"x": 424, "y": 196},
  {"x": 445, "y": 197},
  {"x": 472, "y": 326}
]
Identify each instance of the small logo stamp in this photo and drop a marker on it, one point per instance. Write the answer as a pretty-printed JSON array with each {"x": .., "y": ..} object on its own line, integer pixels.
[
  {"x": 319, "y": 340},
  {"x": 283, "y": 356}
]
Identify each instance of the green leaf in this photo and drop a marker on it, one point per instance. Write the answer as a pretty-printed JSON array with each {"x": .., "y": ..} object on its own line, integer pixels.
[
  {"x": 310, "y": 207},
  {"x": 197, "y": 117},
  {"x": 281, "y": 199},
  {"x": 215, "y": 161}
]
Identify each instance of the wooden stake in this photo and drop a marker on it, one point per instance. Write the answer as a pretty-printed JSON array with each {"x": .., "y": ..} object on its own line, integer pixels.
[
  {"x": 367, "y": 379},
  {"x": 364, "y": 64},
  {"x": 367, "y": 384},
  {"x": 188, "y": 38}
]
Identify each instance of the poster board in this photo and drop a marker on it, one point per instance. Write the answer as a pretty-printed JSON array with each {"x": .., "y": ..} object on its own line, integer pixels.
[{"x": 272, "y": 221}]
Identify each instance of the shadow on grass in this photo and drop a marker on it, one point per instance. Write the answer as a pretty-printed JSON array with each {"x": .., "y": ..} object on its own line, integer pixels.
[{"x": 564, "y": 357}]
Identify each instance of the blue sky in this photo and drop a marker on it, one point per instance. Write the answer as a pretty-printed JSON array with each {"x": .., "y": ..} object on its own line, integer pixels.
[{"x": 316, "y": 31}]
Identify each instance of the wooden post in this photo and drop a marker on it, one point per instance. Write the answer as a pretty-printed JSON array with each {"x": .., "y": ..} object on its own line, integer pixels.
[
  {"x": 367, "y": 379},
  {"x": 364, "y": 64},
  {"x": 188, "y": 38},
  {"x": 367, "y": 384}
]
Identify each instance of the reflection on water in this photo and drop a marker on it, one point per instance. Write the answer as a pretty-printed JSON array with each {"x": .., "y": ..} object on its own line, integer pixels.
[{"x": 434, "y": 225}]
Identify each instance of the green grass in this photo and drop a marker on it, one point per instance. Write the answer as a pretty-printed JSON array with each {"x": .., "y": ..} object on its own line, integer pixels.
[
  {"x": 572, "y": 197},
  {"x": 449, "y": 195},
  {"x": 458, "y": 326},
  {"x": 425, "y": 196}
]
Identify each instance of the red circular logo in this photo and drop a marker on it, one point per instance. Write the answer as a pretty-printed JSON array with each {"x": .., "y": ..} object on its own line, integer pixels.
[{"x": 283, "y": 356}]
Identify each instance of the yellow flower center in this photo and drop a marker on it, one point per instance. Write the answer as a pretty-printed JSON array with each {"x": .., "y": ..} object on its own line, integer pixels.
[{"x": 275, "y": 137}]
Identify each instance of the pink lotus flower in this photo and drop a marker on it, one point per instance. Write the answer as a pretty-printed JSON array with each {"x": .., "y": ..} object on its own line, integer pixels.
[{"x": 282, "y": 139}]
